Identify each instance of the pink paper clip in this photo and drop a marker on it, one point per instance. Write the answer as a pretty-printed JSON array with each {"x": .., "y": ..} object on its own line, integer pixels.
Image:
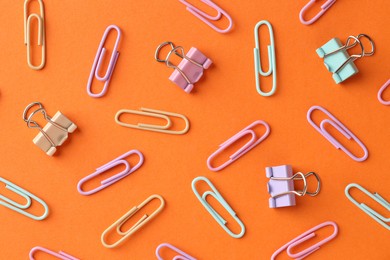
[
  {"x": 181, "y": 256},
  {"x": 302, "y": 238},
  {"x": 244, "y": 149},
  {"x": 324, "y": 8},
  {"x": 99, "y": 60},
  {"x": 208, "y": 18},
  {"x": 107, "y": 182},
  {"x": 380, "y": 93},
  {"x": 341, "y": 128},
  {"x": 59, "y": 255}
]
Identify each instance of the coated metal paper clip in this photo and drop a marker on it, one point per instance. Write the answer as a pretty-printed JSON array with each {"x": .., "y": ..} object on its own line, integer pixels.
[
  {"x": 140, "y": 223},
  {"x": 181, "y": 255},
  {"x": 41, "y": 33},
  {"x": 157, "y": 114},
  {"x": 21, "y": 208},
  {"x": 271, "y": 60},
  {"x": 302, "y": 238},
  {"x": 244, "y": 149},
  {"x": 96, "y": 67},
  {"x": 324, "y": 8},
  {"x": 380, "y": 93},
  {"x": 214, "y": 193},
  {"x": 369, "y": 211},
  {"x": 59, "y": 255},
  {"x": 55, "y": 131},
  {"x": 107, "y": 182},
  {"x": 208, "y": 19},
  {"x": 341, "y": 128}
]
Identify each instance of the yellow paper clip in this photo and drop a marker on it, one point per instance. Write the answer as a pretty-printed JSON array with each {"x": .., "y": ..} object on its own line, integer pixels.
[
  {"x": 41, "y": 33},
  {"x": 140, "y": 223}
]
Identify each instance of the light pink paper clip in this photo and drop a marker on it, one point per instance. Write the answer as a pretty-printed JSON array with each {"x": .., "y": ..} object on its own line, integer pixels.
[
  {"x": 255, "y": 140},
  {"x": 324, "y": 8},
  {"x": 380, "y": 93},
  {"x": 302, "y": 238},
  {"x": 208, "y": 19},
  {"x": 59, "y": 255},
  {"x": 96, "y": 67},
  {"x": 341, "y": 128},
  {"x": 107, "y": 182},
  {"x": 181, "y": 255}
]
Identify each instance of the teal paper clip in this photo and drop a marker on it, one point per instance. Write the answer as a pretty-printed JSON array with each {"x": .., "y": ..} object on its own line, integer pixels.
[
  {"x": 338, "y": 61},
  {"x": 369, "y": 211},
  {"x": 214, "y": 193},
  {"x": 21, "y": 207},
  {"x": 271, "y": 60}
]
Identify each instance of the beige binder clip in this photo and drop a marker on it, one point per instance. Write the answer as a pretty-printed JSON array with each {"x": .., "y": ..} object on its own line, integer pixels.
[{"x": 55, "y": 131}]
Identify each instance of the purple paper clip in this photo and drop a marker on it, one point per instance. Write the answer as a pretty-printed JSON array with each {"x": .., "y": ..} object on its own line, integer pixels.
[
  {"x": 281, "y": 185},
  {"x": 107, "y": 182},
  {"x": 181, "y": 256},
  {"x": 324, "y": 8},
  {"x": 244, "y": 149},
  {"x": 302, "y": 238},
  {"x": 189, "y": 70},
  {"x": 59, "y": 255},
  {"x": 96, "y": 67},
  {"x": 341, "y": 128},
  {"x": 380, "y": 93}
]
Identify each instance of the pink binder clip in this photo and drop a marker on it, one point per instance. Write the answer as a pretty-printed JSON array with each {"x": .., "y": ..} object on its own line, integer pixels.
[
  {"x": 341, "y": 128},
  {"x": 208, "y": 19},
  {"x": 181, "y": 255},
  {"x": 107, "y": 182},
  {"x": 380, "y": 93},
  {"x": 324, "y": 8},
  {"x": 189, "y": 70},
  {"x": 255, "y": 140},
  {"x": 302, "y": 238},
  {"x": 59, "y": 255},
  {"x": 96, "y": 67}
]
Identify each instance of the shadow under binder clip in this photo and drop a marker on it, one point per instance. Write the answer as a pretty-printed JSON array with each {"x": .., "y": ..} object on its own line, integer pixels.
[
  {"x": 369, "y": 211},
  {"x": 59, "y": 255},
  {"x": 181, "y": 255},
  {"x": 107, "y": 182},
  {"x": 338, "y": 61},
  {"x": 380, "y": 93},
  {"x": 140, "y": 223},
  {"x": 214, "y": 193},
  {"x": 54, "y": 133},
  {"x": 190, "y": 69},
  {"x": 324, "y": 8},
  {"x": 281, "y": 185}
]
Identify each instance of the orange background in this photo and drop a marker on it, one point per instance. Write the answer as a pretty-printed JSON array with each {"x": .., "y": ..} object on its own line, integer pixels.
[{"x": 225, "y": 102}]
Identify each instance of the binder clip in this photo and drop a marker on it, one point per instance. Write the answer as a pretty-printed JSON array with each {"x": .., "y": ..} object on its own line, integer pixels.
[
  {"x": 190, "y": 69},
  {"x": 55, "y": 131},
  {"x": 281, "y": 185},
  {"x": 338, "y": 61},
  {"x": 59, "y": 255}
]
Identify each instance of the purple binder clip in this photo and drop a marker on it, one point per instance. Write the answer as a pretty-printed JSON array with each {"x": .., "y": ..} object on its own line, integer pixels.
[
  {"x": 189, "y": 70},
  {"x": 281, "y": 185}
]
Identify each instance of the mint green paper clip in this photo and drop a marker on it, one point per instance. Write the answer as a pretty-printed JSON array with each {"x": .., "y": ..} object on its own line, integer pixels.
[
  {"x": 369, "y": 211},
  {"x": 271, "y": 60},
  {"x": 21, "y": 207},
  {"x": 214, "y": 193}
]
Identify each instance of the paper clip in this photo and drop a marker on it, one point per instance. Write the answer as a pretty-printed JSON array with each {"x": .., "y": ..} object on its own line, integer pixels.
[
  {"x": 20, "y": 208},
  {"x": 96, "y": 67},
  {"x": 59, "y": 255},
  {"x": 380, "y": 93},
  {"x": 41, "y": 33},
  {"x": 181, "y": 255},
  {"x": 214, "y": 193},
  {"x": 244, "y": 149},
  {"x": 107, "y": 182},
  {"x": 140, "y": 223},
  {"x": 341, "y": 128},
  {"x": 271, "y": 60},
  {"x": 369, "y": 211},
  {"x": 338, "y": 61},
  {"x": 55, "y": 131},
  {"x": 302, "y": 238},
  {"x": 324, "y": 8},
  {"x": 207, "y": 19},
  {"x": 157, "y": 114}
]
